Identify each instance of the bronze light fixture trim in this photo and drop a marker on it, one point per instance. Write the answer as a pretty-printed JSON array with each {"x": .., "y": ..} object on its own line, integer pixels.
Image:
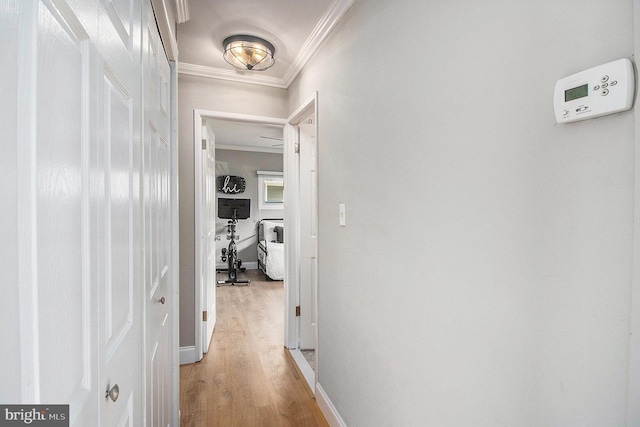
[{"x": 248, "y": 52}]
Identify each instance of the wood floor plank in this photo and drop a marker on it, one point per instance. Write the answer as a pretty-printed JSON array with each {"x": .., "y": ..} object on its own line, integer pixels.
[{"x": 247, "y": 379}]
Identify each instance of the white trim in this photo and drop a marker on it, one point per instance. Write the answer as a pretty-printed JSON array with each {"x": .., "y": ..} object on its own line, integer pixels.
[
  {"x": 328, "y": 409},
  {"x": 291, "y": 247},
  {"x": 188, "y": 355},
  {"x": 182, "y": 11},
  {"x": 305, "y": 368},
  {"x": 246, "y": 118},
  {"x": 198, "y": 116},
  {"x": 248, "y": 148},
  {"x": 320, "y": 33},
  {"x": 263, "y": 178},
  {"x": 291, "y": 217},
  {"x": 230, "y": 75},
  {"x": 200, "y": 304},
  {"x": 175, "y": 247},
  {"x": 166, "y": 29}
]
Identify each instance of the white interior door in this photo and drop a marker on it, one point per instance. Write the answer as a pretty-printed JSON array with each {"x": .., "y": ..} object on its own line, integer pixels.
[
  {"x": 157, "y": 210},
  {"x": 91, "y": 216},
  {"x": 120, "y": 237},
  {"x": 209, "y": 236},
  {"x": 78, "y": 219},
  {"x": 308, "y": 234}
]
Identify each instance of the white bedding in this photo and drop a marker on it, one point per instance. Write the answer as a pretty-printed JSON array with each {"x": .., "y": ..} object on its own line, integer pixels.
[
  {"x": 272, "y": 257},
  {"x": 275, "y": 260}
]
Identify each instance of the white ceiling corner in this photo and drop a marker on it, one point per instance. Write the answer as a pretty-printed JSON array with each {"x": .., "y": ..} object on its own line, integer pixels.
[
  {"x": 317, "y": 35},
  {"x": 320, "y": 33}
]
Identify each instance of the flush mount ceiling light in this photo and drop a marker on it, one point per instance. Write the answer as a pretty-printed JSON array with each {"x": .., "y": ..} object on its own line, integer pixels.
[{"x": 248, "y": 52}]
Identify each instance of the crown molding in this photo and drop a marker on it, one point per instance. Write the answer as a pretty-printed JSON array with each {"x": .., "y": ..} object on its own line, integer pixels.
[
  {"x": 231, "y": 75},
  {"x": 182, "y": 11},
  {"x": 320, "y": 33}
]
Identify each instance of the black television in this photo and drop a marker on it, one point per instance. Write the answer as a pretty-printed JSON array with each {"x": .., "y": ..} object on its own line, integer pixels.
[{"x": 234, "y": 208}]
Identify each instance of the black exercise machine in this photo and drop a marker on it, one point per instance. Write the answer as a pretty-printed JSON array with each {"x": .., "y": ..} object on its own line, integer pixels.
[{"x": 233, "y": 210}]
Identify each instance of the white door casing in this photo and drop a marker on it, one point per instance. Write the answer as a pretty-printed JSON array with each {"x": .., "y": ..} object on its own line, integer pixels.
[
  {"x": 292, "y": 245},
  {"x": 200, "y": 295},
  {"x": 208, "y": 237}
]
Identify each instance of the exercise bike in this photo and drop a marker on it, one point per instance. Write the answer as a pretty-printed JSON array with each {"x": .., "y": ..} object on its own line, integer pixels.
[{"x": 230, "y": 254}]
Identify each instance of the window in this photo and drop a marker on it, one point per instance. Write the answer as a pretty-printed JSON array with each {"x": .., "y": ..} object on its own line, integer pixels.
[{"x": 270, "y": 190}]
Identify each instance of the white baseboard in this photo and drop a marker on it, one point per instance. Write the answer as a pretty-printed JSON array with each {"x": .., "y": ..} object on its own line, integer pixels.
[
  {"x": 304, "y": 367},
  {"x": 251, "y": 265},
  {"x": 188, "y": 355},
  {"x": 328, "y": 410}
]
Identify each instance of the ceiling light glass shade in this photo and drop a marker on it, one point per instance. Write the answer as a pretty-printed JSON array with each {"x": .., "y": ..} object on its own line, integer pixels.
[{"x": 248, "y": 53}]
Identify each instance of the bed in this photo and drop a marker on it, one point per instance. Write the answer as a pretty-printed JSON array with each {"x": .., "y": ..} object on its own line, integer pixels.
[{"x": 271, "y": 248}]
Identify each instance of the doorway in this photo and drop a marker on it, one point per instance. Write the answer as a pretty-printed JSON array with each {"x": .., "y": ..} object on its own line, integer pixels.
[
  {"x": 301, "y": 217},
  {"x": 205, "y": 288},
  {"x": 300, "y": 130}
]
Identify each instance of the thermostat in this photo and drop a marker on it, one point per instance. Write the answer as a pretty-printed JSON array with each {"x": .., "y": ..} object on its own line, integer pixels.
[{"x": 598, "y": 91}]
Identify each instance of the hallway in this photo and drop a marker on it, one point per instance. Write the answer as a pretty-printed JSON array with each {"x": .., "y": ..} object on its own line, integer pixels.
[{"x": 247, "y": 379}]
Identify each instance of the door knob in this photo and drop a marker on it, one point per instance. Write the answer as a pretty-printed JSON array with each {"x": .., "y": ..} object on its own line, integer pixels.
[
  {"x": 113, "y": 393},
  {"x": 161, "y": 300}
]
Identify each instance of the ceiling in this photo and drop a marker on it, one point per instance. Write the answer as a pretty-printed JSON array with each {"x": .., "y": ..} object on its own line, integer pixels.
[
  {"x": 231, "y": 134},
  {"x": 296, "y": 28}
]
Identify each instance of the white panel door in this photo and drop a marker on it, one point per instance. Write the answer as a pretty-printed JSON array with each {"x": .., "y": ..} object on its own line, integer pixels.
[
  {"x": 57, "y": 325},
  {"x": 78, "y": 155},
  {"x": 157, "y": 210},
  {"x": 308, "y": 236},
  {"x": 209, "y": 237},
  {"x": 118, "y": 210}
]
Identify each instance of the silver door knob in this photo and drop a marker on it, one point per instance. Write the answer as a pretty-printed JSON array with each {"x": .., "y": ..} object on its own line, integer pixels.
[
  {"x": 113, "y": 393},
  {"x": 161, "y": 300}
]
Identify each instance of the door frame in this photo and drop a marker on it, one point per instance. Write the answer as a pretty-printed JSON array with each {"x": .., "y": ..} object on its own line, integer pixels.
[
  {"x": 292, "y": 243},
  {"x": 198, "y": 117},
  {"x": 200, "y": 224}
]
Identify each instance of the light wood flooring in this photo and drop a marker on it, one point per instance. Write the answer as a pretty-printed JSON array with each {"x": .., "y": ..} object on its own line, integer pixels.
[{"x": 247, "y": 379}]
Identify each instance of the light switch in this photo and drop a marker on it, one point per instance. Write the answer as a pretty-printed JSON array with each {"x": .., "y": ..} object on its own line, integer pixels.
[{"x": 343, "y": 215}]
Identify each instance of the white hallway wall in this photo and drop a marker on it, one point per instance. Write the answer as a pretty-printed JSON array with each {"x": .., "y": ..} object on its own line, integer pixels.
[
  {"x": 214, "y": 95},
  {"x": 484, "y": 275}
]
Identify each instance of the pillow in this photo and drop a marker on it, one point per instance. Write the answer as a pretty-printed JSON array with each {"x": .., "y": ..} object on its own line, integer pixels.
[
  {"x": 268, "y": 230},
  {"x": 279, "y": 233}
]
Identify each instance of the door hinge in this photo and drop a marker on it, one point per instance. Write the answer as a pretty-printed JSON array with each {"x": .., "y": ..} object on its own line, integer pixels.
[
  {"x": 297, "y": 148},
  {"x": 204, "y": 316},
  {"x": 297, "y": 311},
  {"x": 204, "y": 144}
]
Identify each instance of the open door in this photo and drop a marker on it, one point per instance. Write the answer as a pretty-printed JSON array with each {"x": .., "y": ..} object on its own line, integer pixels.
[
  {"x": 301, "y": 245},
  {"x": 308, "y": 233},
  {"x": 208, "y": 210}
]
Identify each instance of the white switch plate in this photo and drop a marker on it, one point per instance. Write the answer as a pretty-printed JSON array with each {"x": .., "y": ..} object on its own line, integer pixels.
[{"x": 343, "y": 215}]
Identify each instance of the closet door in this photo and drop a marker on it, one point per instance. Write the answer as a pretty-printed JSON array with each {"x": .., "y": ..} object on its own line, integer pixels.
[
  {"x": 118, "y": 211},
  {"x": 57, "y": 325},
  {"x": 77, "y": 319},
  {"x": 157, "y": 209}
]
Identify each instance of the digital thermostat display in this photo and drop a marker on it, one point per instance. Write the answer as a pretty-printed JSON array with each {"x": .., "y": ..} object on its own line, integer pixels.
[
  {"x": 605, "y": 89},
  {"x": 576, "y": 92}
]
